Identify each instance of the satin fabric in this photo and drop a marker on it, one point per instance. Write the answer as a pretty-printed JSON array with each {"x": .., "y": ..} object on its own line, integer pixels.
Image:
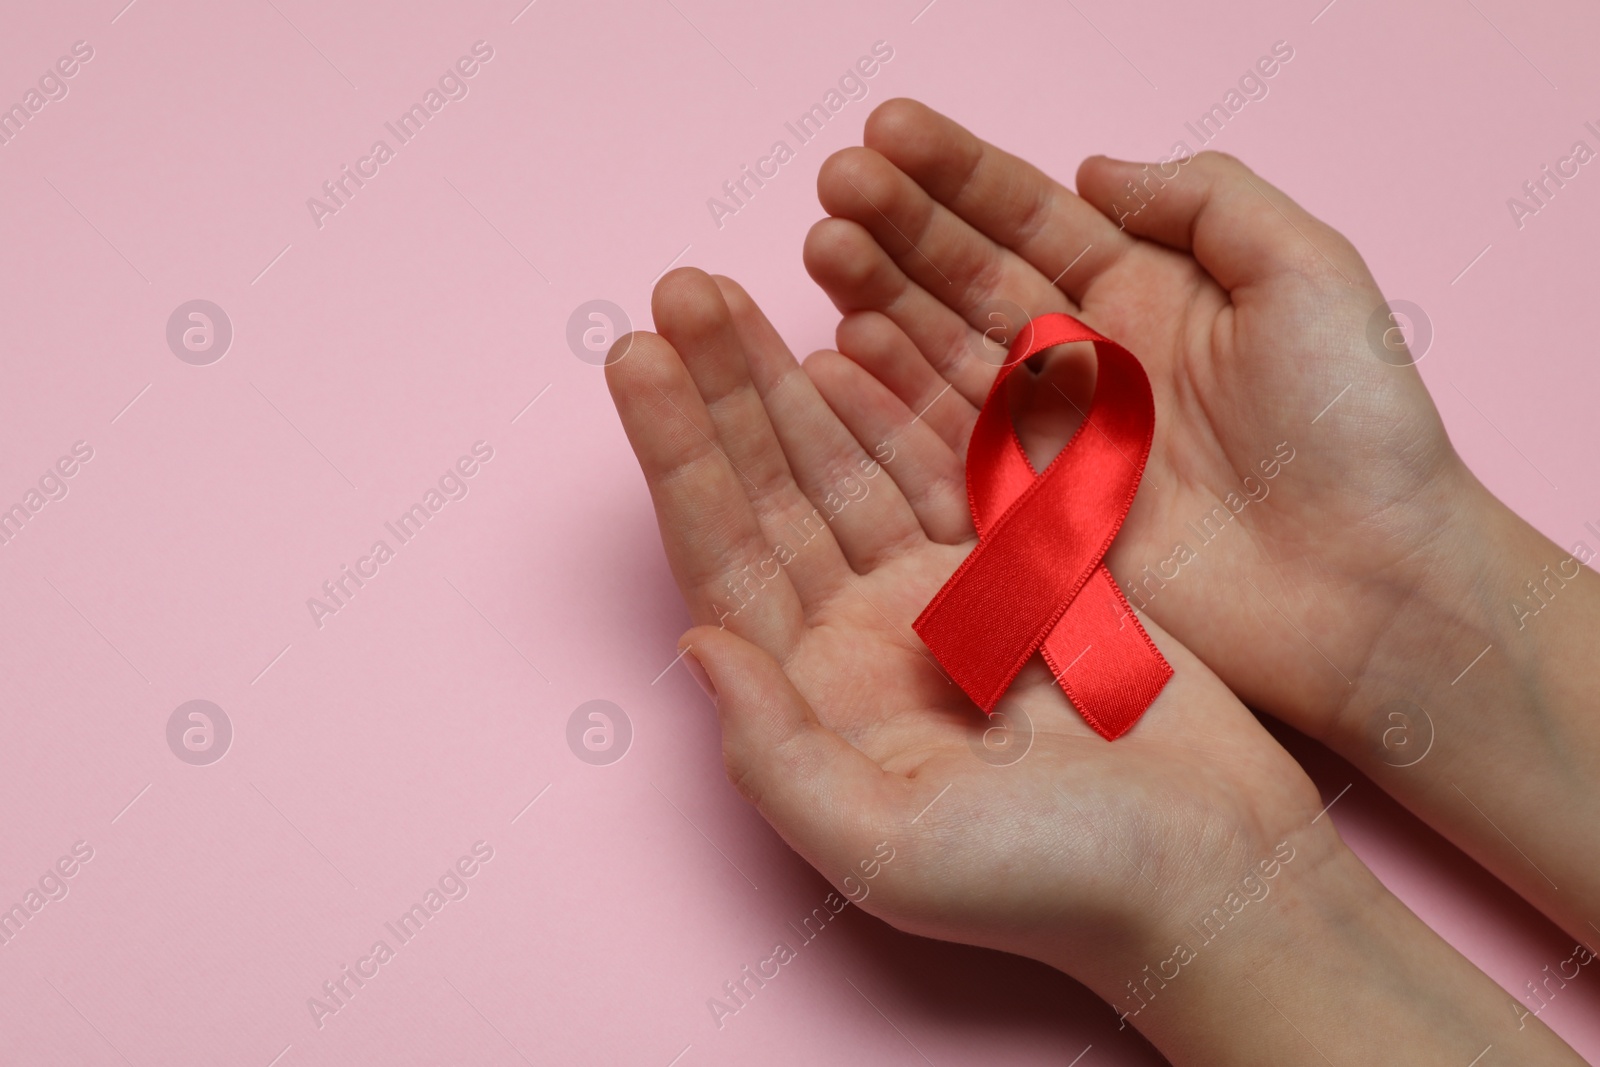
[{"x": 1036, "y": 581}]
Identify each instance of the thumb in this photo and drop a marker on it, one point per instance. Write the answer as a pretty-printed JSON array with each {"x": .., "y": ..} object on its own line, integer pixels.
[
  {"x": 820, "y": 792},
  {"x": 1240, "y": 228}
]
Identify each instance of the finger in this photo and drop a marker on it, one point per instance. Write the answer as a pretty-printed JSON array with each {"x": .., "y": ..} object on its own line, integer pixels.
[
  {"x": 923, "y": 467},
  {"x": 858, "y": 275},
  {"x": 823, "y": 795},
  {"x": 692, "y": 315},
  {"x": 872, "y": 339},
  {"x": 714, "y": 543},
  {"x": 936, "y": 249},
  {"x": 1241, "y": 229},
  {"x": 1008, "y": 199},
  {"x": 870, "y": 519}
]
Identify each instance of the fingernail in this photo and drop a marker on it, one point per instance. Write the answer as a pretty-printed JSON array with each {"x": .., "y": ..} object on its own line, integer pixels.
[{"x": 699, "y": 673}]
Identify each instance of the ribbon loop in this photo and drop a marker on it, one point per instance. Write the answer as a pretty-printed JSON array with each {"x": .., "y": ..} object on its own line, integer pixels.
[{"x": 1037, "y": 580}]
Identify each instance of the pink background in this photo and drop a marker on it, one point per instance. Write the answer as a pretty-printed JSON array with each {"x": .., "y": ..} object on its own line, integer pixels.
[{"x": 373, "y": 351}]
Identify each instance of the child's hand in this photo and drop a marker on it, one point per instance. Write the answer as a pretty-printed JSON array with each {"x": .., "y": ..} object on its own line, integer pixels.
[
  {"x": 1252, "y": 319},
  {"x": 845, "y": 733}
]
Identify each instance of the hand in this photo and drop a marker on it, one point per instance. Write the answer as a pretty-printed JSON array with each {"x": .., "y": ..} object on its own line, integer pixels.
[
  {"x": 843, "y": 731},
  {"x": 1094, "y": 857},
  {"x": 1252, "y": 320},
  {"x": 1368, "y": 572}
]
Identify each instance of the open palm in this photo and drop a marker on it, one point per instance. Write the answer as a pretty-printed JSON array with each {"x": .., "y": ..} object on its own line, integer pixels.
[
  {"x": 804, "y": 559},
  {"x": 1294, "y": 472}
]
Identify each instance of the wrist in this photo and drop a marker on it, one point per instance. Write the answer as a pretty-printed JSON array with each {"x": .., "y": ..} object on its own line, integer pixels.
[
  {"x": 1475, "y": 710},
  {"x": 1441, "y": 610},
  {"x": 1319, "y": 961},
  {"x": 1162, "y": 955}
]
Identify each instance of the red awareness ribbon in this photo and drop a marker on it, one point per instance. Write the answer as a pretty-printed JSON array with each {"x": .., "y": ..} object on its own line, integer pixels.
[{"x": 1037, "y": 580}]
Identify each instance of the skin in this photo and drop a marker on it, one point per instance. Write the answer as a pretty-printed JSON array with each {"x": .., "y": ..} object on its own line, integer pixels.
[
  {"x": 1249, "y": 317},
  {"x": 1374, "y": 568},
  {"x": 831, "y": 631},
  {"x": 839, "y": 728},
  {"x": 1089, "y": 856}
]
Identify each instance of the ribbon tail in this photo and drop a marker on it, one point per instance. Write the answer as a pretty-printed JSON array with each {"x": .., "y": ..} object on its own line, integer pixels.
[{"x": 1103, "y": 659}]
